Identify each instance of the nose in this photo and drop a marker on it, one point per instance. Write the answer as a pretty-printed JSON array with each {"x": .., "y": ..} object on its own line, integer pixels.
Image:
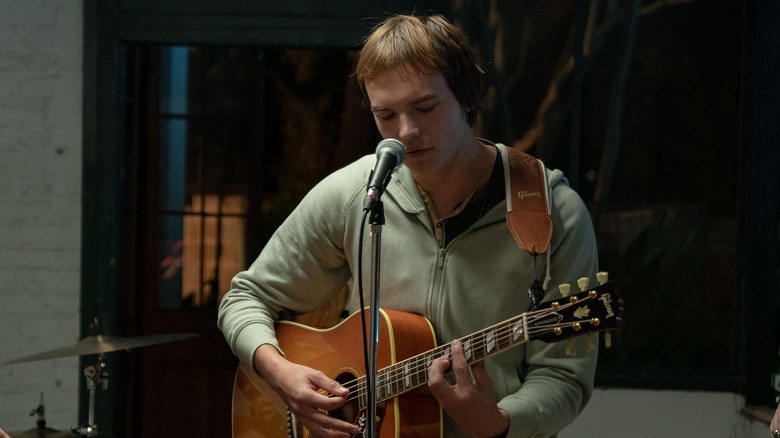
[{"x": 407, "y": 127}]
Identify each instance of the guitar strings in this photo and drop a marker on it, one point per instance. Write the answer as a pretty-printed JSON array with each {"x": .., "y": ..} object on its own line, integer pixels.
[
  {"x": 502, "y": 331},
  {"x": 499, "y": 335}
]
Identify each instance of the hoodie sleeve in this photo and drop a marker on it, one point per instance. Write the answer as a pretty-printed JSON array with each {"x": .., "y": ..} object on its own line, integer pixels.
[
  {"x": 556, "y": 387},
  {"x": 300, "y": 268}
]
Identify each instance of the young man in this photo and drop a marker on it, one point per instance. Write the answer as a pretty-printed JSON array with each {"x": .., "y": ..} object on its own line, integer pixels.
[{"x": 447, "y": 252}]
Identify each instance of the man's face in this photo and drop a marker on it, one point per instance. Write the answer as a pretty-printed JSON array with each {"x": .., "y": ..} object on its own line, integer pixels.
[{"x": 422, "y": 112}]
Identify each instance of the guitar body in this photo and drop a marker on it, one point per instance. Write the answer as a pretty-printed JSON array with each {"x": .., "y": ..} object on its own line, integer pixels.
[
  {"x": 407, "y": 346},
  {"x": 338, "y": 352}
]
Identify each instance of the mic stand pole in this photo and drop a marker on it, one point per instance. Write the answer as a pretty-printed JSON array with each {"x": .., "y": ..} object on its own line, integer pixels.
[{"x": 376, "y": 220}]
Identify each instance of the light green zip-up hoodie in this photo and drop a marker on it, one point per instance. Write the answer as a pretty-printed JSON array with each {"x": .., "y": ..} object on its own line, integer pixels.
[{"x": 479, "y": 279}]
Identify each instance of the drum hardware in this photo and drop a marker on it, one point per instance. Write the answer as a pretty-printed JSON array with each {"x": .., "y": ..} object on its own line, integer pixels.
[
  {"x": 97, "y": 377},
  {"x": 95, "y": 374},
  {"x": 40, "y": 431},
  {"x": 40, "y": 413}
]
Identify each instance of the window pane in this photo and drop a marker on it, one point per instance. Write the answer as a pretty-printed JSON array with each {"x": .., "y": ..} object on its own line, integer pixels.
[
  {"x": 229, "y": 140},
  {"x": 173, "y": 163},
  {"x": 205, "y": 132}
]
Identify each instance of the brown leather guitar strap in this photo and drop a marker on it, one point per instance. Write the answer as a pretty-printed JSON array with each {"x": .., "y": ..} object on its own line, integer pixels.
[{"x": 527, "y": 214}]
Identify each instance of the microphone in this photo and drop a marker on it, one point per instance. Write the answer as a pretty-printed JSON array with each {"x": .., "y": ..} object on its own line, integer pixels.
[{"x": 389, "y": 157}]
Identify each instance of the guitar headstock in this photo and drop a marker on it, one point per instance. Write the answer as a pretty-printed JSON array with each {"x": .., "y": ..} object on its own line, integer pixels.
[{"x": 594, "y": 309}]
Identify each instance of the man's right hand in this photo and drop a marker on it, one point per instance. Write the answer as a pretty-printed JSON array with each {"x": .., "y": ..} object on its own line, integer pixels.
[{"x": 308, "y": 393}]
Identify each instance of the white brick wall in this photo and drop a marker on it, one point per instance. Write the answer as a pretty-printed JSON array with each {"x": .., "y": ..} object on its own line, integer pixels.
[{"x": 41, "y": 53}]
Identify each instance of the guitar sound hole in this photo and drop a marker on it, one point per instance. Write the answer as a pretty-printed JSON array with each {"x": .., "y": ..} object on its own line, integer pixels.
[{"x": 351, "y": 409}]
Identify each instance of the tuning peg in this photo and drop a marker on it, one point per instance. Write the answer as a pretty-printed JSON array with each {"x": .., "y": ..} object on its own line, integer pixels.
[
  {"x": 589, "y": 346},
  {"x": 602, "y": 277},
  {"x": 565, "y": 289},
  {"x": 583, "y": 283},
  {"x": 570, "y": 349}
]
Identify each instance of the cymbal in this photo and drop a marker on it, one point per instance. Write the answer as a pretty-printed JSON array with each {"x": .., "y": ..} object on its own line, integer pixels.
[
  {"x": 39, "y": 433},
  {"x": 103, "y": 344}
]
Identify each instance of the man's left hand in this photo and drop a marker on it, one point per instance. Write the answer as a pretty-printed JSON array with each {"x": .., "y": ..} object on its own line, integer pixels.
[{"x": 469, "y": 400}]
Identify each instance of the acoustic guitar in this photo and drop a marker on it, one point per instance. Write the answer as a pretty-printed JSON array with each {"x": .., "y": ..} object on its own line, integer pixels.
[{"x": 406, "y": 349}]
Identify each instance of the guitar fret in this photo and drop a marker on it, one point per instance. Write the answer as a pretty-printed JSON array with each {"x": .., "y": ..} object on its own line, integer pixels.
[
  {"x": 391, "y": 386},
  {"x": 422, "y": 371},
  {"x": 504, "y": 340},
  {"x": 383, "y": 390},
  {"x": 483, "y": 351},
  {"x": 467, "y": 349},
  {"x": 362, "y": 393},
  {"x": 399, "y": 378},
  {"x": 517, "y": 330},
  {"x": 396, "y": 384},
  {"x": 475, "y": 353},
  {"x": 491, "y": 342}
]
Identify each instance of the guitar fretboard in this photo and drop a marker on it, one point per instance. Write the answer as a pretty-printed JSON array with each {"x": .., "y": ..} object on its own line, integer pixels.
[
  {"x": 412, "y": 373},
  {"x": 588, "y": 311}
]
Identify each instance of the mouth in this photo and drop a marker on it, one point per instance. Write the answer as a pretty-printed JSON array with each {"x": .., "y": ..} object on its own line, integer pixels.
[{"x": 415, "y": 153}]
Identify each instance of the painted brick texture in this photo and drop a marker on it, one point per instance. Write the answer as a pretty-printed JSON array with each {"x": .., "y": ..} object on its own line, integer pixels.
[{"x": 41, "y": 53}]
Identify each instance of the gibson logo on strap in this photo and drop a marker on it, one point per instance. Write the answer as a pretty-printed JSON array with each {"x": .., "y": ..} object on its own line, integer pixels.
[{"x": 522, "y": 194}]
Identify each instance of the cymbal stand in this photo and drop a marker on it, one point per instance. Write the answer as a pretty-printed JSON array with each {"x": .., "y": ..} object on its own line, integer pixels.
[
  {"x": 40, "y": 413},
  {"x": 96, "y": 377}
]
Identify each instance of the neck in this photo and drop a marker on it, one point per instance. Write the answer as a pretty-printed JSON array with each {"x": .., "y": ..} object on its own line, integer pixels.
[{"x": 449, "y": 187}]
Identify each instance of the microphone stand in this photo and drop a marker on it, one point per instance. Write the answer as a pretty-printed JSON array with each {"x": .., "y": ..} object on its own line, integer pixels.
[{"x": 376, "y": 220}]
